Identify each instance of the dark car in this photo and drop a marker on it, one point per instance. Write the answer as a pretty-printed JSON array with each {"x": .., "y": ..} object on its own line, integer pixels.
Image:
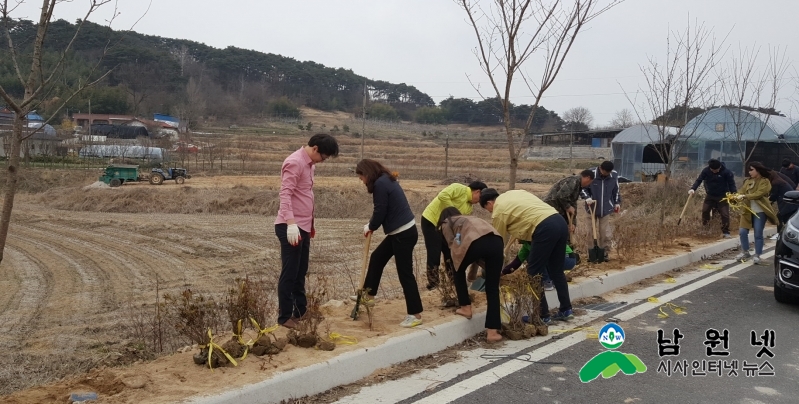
[{"x": 786, "y": 257}]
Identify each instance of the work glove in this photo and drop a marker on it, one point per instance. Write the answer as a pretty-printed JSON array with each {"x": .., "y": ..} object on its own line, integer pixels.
[
  {"x": 617, "y": 208},
  {"x": 589, "y": 201},
  {"x": 293, "y": 234},
  {"x": 366, "y": 230},
  {"x": 690, "y": 192},
  {"x": 512, "y": 266},
  {"x": 740, "y": 197}
]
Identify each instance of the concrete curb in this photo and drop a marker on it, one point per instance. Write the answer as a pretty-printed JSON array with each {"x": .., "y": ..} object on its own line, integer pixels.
[{"x": 356, "y": 365}]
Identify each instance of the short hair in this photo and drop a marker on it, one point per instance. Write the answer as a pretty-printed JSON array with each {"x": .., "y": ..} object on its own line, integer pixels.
[
  {"x": 372, "y": 170},
  {"x": 714, "y": 164},
  {"x": 487, "y": 195},
  {"x": 786, "y": 162},
  {"x": 475, "y": 185},
  {"x": 606, "y": 166},
  {"x": 588, "y": 173},
  {"x": 328, "y": 145},
  {"x": 447, "y": 213}
]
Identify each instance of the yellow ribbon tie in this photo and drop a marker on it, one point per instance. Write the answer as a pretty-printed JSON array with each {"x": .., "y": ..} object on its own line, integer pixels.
[
  {"x": 213, "y": 345},
  {"x": 711, "y": 267},
  {"x": 341, "y": 339},
  {"x": 653, "y": 300}
]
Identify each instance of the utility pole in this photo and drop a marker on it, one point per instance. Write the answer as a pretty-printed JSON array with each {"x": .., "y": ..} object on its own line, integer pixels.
[
  {"x": 571, "y": 145},
  {"x": 446, "y": 156},
  {"x": 363, "y": 128}
]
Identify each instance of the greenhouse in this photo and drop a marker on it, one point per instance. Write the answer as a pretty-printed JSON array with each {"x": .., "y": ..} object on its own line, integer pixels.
[{"x": 726, "y": 134}]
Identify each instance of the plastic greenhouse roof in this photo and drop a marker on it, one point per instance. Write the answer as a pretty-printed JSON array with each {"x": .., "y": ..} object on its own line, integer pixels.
[
  {"x": 721, "y": 124},
  {"x": 642, "y": 134},
  {"x": 792, "y": 132}
]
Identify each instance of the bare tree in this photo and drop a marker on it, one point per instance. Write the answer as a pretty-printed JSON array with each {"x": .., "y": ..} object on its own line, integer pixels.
[
  {"x": 578, "y": 118},
  {"x": 245, "y": 148},
  {"x": 748, "y": 87},
  {"x": 509, "y": 33},
  {"x": 623, "y": 119},
  {"x": 685, "y": 81},
  {"x": 36, "y": 79}
]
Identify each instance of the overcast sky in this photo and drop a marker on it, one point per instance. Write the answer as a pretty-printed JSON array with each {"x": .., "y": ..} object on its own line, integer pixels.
[{"x": 428, "y": 43}]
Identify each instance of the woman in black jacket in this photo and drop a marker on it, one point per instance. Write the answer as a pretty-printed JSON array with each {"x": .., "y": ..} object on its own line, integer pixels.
[{"x": 392, "y": 212}]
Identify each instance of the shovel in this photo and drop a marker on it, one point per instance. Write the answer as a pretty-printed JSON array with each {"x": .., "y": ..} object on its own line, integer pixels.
[
  {"x": 595, "y": 254},
  {"x": 360, "y": 294},
  {"x": 683, "y": 209}
]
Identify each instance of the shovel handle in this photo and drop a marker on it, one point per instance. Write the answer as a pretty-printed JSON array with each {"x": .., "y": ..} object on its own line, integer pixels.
[
  {"x": 365, "y": 260},
  {"x": 684, "y": 207}
]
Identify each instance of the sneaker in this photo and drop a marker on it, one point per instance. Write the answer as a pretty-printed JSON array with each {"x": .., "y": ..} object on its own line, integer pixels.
[
  {"x": 546, "y": 320},
  {"x": 548, "y": 285},
  {"x": 756, "y": 259},
  {"x": 775, "y": 236},
  {"x": 564, "y": 315},
  {"x": 526, "y": 319},
  {"x": 726, "y": 235},
  {"x": 410, "y": 321},
  {"x": 742, "y": 256}
]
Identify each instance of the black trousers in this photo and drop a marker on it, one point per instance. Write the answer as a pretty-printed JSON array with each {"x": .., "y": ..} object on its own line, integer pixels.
[
  {"x": 548, "y": 252},
  {"x": 291, "y": 285},
  {"x": 488, "y": 248},
  {"x": 432, "y": 243},
  {"x": 400, "y": 246},
  {"x": 723, "y": 208}
]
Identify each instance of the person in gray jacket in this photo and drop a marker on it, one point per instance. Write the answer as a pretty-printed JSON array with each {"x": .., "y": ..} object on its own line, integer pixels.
[{"x": 603, "y": 195}]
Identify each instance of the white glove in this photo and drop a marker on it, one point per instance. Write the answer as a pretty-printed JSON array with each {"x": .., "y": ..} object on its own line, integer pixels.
[
  {"x": 366, "y": 230},
  {"x": 690, "y": 192},
  {"x": 589, "y": 201},
  {"x": 293, "y": 234}
]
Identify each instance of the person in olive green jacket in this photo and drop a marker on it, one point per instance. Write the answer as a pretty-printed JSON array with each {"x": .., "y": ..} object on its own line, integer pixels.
[
  {"x": 461, "y": 197},
  {"x": 521, "y": 215},
  {"x": 754, "y": 194}
]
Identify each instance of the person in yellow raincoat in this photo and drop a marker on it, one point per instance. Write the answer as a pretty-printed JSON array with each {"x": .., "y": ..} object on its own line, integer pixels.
[{"x": 754, "y": 195}]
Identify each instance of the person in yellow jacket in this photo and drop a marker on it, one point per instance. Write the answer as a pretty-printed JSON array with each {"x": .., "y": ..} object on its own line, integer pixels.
[
  {"x": 521, "y": 215},
  {"x": 754, "y": 194},
  {"x": 460, "y": 196}
]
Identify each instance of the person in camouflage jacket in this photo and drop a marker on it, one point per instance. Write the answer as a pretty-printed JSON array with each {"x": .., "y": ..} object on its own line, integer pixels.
[{"x": 564, "y": 194}]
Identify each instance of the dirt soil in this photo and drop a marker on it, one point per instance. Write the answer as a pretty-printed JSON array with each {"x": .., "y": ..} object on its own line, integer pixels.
[{"x": 76, "y": 273}]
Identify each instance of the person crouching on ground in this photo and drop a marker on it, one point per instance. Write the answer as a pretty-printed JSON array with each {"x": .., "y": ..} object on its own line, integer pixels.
[
  {"x": 718, "y": 182},
  {"x": 393, "y": 213},
  {"x": 569, "y": 263},
  {"x": 294, "y": 224},
  {"x": 471, "y": 239},
  {"x": 461, "y": 197},
  {"x": 754, "y": 194},
  {"x": 521, "y": 215}
]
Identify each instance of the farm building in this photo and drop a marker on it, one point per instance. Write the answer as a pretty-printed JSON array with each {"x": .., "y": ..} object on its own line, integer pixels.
[
  {"x": 41, "y": 138},
  {"x": 726, "y": 134}
]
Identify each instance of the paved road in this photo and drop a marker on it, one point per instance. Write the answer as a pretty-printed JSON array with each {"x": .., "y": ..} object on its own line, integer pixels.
[{"x": 738, "y": 298}]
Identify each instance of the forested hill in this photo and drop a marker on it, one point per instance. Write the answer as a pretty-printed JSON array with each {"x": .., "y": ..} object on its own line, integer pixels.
[{"x": 190, "y": 79}]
